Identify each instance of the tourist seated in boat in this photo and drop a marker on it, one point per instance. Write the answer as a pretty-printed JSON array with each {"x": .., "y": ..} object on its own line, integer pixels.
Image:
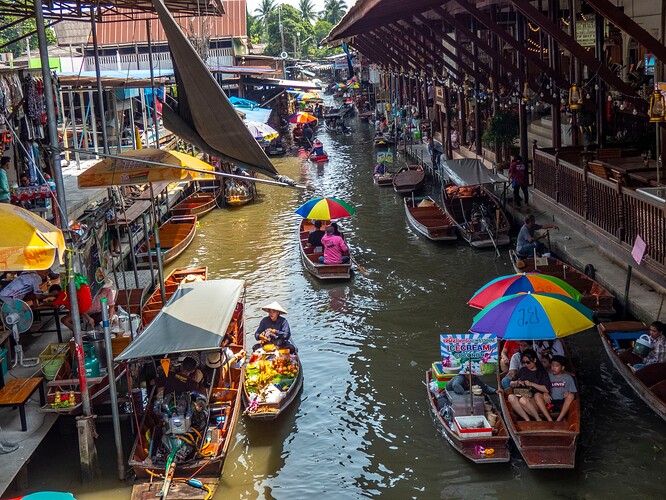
[
  {"x": 380, "y": 169},
  {"x": 298, "y": 133},
  {"x": 460, "y": 384},
  {"x": 548, "y": 348},
  {"x": 528, "y": 382},
  {"x": 528, "y": 241},
  {"x": 562, "y": 389},
  {"x": 515, "y": 362},
  {"x": 274, "y": 329},
  {"x": 336, "y": 230},
  {"x": 186, "y": 378},
  {"x": 315, "y": 236},
  {"x": 657, "y": 353},
  {"x": 509, "y": 348},
  {"x": 317, "y": 148},
  {"x": 334, "y": 248},
  {"x": 307, "y": 133}
]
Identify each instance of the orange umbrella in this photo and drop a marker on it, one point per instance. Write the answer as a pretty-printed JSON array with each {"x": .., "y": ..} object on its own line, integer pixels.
[{"x": 302, "y": 117}]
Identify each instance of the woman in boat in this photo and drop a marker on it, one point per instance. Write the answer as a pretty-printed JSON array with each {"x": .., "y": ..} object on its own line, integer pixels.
[
  {"x": 380, "y": 168},
  {"x": 562, "y": 389},
  {"x": 274, "y": 329},
  {"x": 317, "y": 148},
  {"x": 549, "y": 348},
  {"x": 530, "y": 380}
]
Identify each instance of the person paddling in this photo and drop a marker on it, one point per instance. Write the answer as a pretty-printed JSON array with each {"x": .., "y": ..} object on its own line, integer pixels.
[{"x": 317, "y": 148}]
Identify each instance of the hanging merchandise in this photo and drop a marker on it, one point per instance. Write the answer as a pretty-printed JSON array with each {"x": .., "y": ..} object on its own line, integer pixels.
[{"x": 83, "y": 294}]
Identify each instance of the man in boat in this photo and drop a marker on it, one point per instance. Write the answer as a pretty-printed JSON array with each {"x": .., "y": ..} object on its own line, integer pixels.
[
  {"x": 380, "y": 168},
  {"x": 657, "y": 353},
  {"x": 334, "y": 248},
  {"x": 274, "y": 329},
  {"x": 562, "y": 389},
  {"x": 460, "y": 384},
  {"x": 527, "y": 239},
  {"x": 317, "y": 148},
  {"x": 183, "y": 380},
  {"x": 307, "y": 133},
  {"x": 314, "y": 238}
]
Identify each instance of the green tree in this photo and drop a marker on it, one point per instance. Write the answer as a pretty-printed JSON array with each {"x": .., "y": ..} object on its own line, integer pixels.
[
  {"x": 262, "y": 12},
  {"x": 293, "y": 28},
  {"x": 14, "y": 32},
  {"x": 321, "y": 30},
  {"x": 307, "y": 10},
  {"x": 502, "y": 133},
  {"x": 255, "y": 28},
  {"x": 334, "y": 10}
]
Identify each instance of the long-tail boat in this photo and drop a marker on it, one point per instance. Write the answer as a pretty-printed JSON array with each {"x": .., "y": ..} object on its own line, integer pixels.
[
  {"x": 175, "y": 236},
  {"x": 649, "y": 382},
  {"x": 65, "y": 385},
  {"x": 473, "y": 448},
  {"x": 310, "y": 257},
  {"x": 197, "y": 203},
  {"x": 595, "y": 296},
  {"x": 408, "y": 179},
  {"x": 183, "y": 439},
  {"x": 428, "y": 218}
]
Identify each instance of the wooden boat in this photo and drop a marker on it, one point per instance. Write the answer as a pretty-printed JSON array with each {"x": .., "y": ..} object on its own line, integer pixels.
[
  {"x": 470, "y": 448},
  {"x": 207, "y": 437},
  {"x": 479, "y": 217},
  {"x": 310, "y": 257},
  {"x": 544, "y": 445},
  {"x": 154, "y": 303},
  {"x": 262, "y": 410},
  {"x": 384, "y": 180},
  {"x": 649, "y": 382},
  {"x": 408, "y": 179},
  {"x": 175, "y": 236},
  {"x": 595, "y": 296},
  {"x": 319, "y": 159},
  {"x": 65, "y": 384},
  {"x": 380, "y": 141},
  {"x": 198, "y": 204},
  {"x": 238, "y": 194},
  {"x": 429, "y": 219}
]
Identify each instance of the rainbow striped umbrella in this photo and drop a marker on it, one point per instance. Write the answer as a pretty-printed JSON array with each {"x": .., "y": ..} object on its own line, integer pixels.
[
  {"x": 325, "y": 209},
  {"x": 524, "y": 282},
  {"x": 533, "y": 316}
]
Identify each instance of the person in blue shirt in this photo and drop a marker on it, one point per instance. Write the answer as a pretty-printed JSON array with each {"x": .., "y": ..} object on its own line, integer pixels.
[
  {"x": 274, "y": 329},
  {"x": 317, "y": 149}
]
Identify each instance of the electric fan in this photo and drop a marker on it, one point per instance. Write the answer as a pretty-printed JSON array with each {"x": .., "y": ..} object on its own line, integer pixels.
[{"x": 17, "y": 316}]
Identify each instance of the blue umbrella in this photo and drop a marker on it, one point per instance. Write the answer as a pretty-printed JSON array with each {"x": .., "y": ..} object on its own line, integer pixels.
[{"x": 243, "y": 103}]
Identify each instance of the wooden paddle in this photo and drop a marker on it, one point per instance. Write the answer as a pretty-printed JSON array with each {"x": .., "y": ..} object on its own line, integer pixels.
[{"x": 359, "y": 266}]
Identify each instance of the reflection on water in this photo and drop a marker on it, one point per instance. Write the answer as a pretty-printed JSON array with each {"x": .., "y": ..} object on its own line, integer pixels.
[{"x": 362, "y": 427}]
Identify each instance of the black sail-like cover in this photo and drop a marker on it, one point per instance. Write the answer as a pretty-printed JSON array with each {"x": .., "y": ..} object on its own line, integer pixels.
[{"x": 204, "y": 116}]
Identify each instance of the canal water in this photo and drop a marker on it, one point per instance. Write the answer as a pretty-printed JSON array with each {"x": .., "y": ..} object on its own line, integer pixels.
[{"x": 362, "y": 426}]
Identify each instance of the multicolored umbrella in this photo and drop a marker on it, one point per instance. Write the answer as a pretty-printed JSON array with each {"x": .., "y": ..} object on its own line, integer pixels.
[
  {"x": 524, "y": 282},
  {"x": 308, "y": 96},
  {"x": 533, "y": 316},
  {"x": 261, "y": 131},
  {"x": 325, "y": 209},
  {"x": 302, "y": 117}
]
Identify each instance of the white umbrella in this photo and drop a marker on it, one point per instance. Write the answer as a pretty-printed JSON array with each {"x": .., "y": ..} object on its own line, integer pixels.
[{"x": 261, "y": 130}]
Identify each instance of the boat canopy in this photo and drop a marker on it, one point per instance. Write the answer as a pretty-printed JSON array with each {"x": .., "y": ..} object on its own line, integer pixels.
[
  {"x": 469, "y": 172},
  {"x": 196, "y": 318}
]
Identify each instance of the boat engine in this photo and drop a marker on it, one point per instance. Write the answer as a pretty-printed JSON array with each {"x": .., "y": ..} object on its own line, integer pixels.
[{"x": 184, "y": 426}]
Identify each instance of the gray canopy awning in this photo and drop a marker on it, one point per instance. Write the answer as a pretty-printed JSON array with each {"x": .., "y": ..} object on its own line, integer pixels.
[
  {"x": 469, "y": 172},
  {"x": 195, "y": 319}
]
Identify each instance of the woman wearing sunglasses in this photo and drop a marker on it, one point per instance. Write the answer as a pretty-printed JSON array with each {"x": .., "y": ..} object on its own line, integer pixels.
[{"x": 530, "y": 380}]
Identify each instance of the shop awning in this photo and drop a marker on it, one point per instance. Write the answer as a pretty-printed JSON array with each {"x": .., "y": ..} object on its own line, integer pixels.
[
  {"x": 288, "y": 84},
  {"x": 196, "y": 318},
  {"x": 469, "y": 172},
  {"x": 243, "y": 70}
]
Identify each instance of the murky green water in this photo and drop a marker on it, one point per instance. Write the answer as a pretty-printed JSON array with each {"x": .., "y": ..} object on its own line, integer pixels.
[{"x": 362, "y": 427}]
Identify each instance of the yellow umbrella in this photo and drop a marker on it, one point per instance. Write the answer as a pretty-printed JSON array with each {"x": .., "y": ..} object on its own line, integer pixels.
[
  {"x": 29, "y": 243},
  {"x": 130, "y": 168}
]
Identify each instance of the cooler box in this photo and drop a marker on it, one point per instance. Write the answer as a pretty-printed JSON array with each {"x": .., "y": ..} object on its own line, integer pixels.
[
  {"x": 439, "y": 375},
  {"x": 473, "y": 426}
]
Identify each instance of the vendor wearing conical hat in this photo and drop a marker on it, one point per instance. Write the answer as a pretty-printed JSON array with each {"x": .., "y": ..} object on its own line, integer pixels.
[{"x": 274, "y": 328}]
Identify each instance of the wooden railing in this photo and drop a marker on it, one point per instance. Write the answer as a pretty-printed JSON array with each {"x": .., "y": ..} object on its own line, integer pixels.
[{"x": 619, "y": 211}]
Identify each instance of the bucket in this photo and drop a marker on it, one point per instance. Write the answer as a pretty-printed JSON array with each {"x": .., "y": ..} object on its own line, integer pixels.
[
  {"x": 133, "y": 320},
  {"x": 51, "y": 367},
  {"x": 643, "y": 345}
]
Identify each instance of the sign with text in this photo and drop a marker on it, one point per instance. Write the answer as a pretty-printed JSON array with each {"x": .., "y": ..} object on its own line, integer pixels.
[
  {"x": 638, "y": 252},
  {"x": 456, "y": 349}
]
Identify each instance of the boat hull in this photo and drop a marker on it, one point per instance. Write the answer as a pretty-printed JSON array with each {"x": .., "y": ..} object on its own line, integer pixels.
[
  {"x": 408, "y": 179},
  {"x": 649, "y": 382},
  {"x": 267, "y": 412},
  {"x": 175, "y": 236},
  {"x": 310, "y": 258},
  {"x": 196, "y": 204},
  {"x": 468, "y": 447},
  {"x": 319, "y": 159},
  {"x": 432, "y": 222},
  {"x": 385, "y": 180}
]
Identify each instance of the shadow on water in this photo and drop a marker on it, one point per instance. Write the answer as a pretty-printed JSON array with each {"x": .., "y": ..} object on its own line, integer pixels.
[{"x": 363, "y": 426}]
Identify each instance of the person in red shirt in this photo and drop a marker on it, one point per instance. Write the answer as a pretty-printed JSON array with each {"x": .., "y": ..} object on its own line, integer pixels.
[
  {"x": 334, "y": 248},
  {"x": 519, "y": 180}
]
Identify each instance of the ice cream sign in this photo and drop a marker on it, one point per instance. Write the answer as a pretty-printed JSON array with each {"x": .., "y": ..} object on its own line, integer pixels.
[{"x": 457, "y": 349}]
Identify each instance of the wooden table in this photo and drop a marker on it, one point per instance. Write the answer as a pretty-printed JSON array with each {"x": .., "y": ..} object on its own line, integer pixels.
[
  {"x": 18, "y": 391},
  {"x": 648, "y": 177},
  {"x": 49, "y": 310},
  {"x": 132, "y": 213},
  {"x": 627, "y": 165}
]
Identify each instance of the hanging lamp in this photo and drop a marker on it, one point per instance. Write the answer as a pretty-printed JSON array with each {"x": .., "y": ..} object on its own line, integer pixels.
[
  {"x": 575, "y": 97},
  {"x": 657, "y": 107}
]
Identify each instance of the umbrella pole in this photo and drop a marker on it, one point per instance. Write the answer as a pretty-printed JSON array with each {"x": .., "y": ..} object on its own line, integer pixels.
[
  {"x": 158, "y": 249},
  {"x": 471, "y": 393}
]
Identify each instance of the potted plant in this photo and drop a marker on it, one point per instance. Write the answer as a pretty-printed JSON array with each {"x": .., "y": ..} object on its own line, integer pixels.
[{"x": 501, "y": 133}]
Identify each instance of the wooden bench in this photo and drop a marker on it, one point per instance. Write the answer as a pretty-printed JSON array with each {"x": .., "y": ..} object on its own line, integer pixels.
[{"x": 18, "y": 391}]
